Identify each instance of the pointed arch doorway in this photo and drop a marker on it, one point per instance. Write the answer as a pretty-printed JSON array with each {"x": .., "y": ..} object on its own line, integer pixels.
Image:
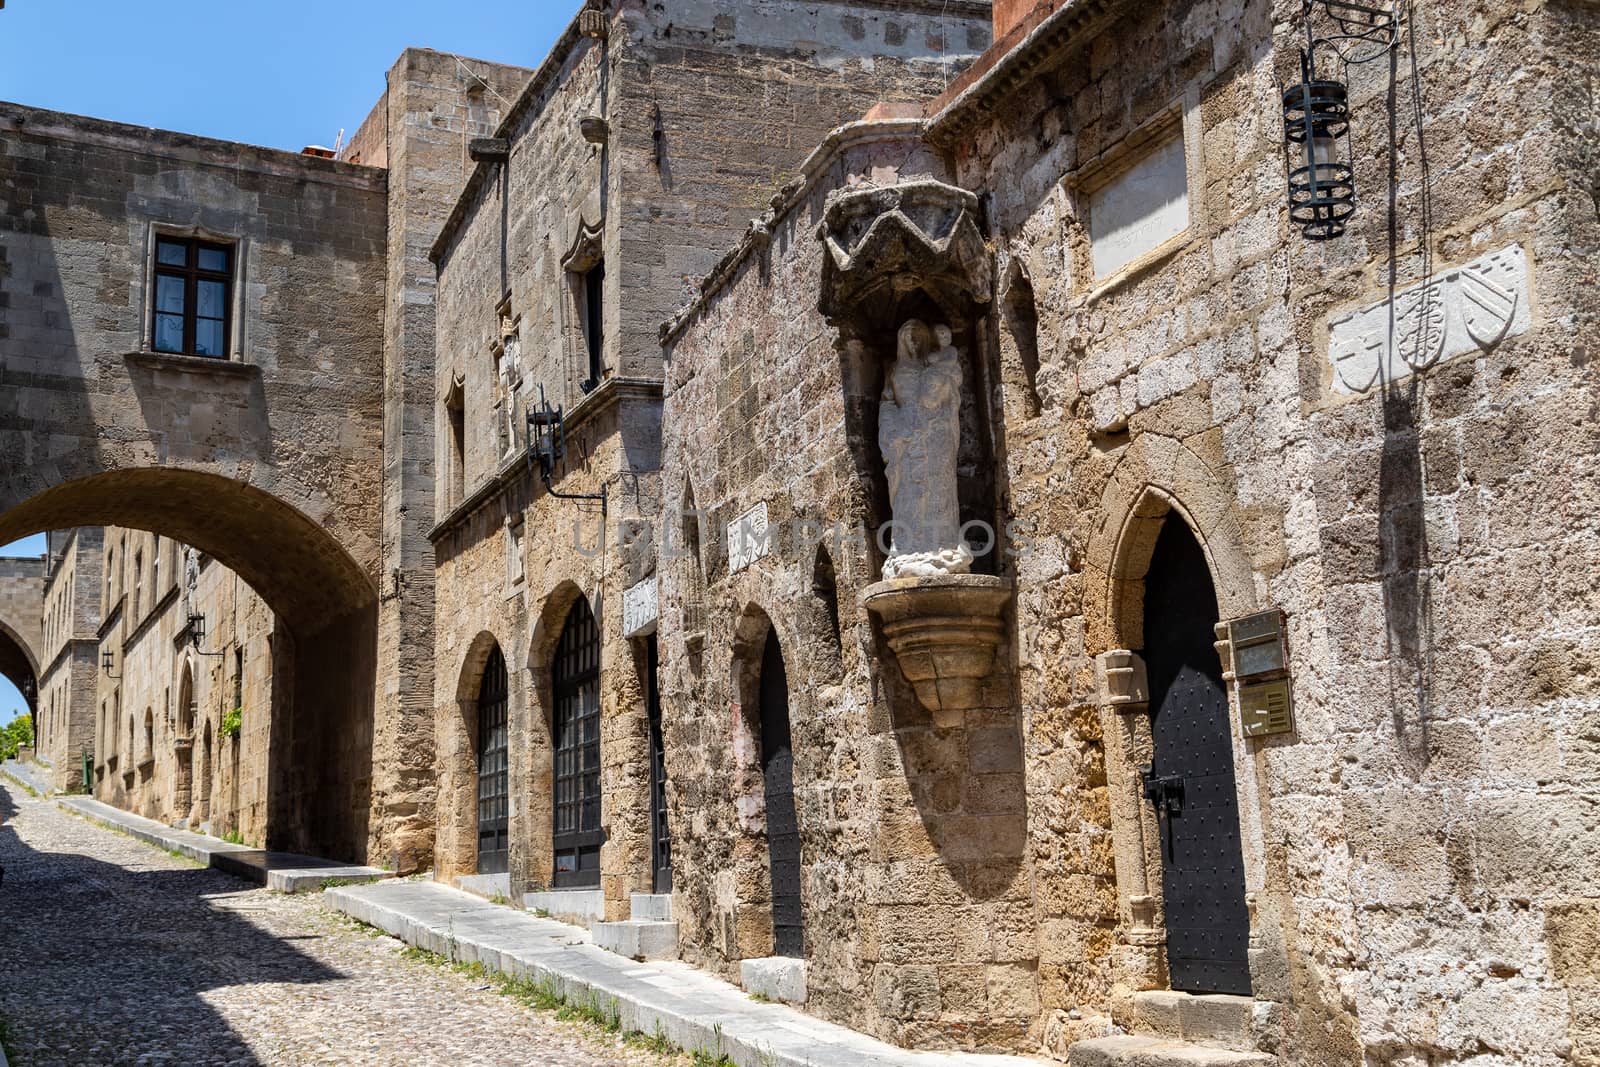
[
  {"x": 783, "y": 823},
  {"x": 1191, "y": 778}
]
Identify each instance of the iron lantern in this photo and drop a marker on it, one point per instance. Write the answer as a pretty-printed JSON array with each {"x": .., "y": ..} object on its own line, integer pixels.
[
  {"x": 1322, "y": 190},
  {"x": 1316, "y": 112}
]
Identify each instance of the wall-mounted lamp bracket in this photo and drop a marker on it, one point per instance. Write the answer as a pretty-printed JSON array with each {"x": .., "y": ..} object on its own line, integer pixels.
[{"x": 547, "y": 446}]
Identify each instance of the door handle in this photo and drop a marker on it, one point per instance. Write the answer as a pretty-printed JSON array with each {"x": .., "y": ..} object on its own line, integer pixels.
[{"x": 1165, "y": 793}]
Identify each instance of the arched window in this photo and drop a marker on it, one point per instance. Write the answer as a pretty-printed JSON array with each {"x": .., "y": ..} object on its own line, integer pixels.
[
  {"x": 1022, "y": 320},
  {"x": 494, "y": 807},
  {"x": 186, "y": 704},
  {"x": 694, "y": 573},
  {"x": 825, "y": 590},
  {"x": 576, "y": 689}
]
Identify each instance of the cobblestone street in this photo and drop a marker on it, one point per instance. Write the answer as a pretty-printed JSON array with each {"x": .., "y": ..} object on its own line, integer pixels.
[{"x": 113, "y": 953}]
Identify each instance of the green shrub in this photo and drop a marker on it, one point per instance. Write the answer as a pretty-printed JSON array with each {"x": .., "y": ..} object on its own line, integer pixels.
[
  {"x": 18, "y": 732},
  {"x": 232, "y": 723}
]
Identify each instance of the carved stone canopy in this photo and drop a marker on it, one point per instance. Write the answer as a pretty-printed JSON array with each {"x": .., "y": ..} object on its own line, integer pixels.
[{"x": 882, "y": 243}]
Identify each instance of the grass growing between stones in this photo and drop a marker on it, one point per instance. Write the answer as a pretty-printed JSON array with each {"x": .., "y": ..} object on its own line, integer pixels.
[
  {"x": 19, "y": 783},
  {"x": 544, "y": 995}
]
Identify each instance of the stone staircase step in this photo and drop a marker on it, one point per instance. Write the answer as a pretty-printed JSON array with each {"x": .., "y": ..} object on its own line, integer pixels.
[
  {"x": 1205, "y": 1018},
  {"x": 1138, "y": 1051},
  {"x": 777, "y": 978},
  {"x": 650, "y": 907},
  {"x": 638, "y": 940},
  {"x": 487, "y": 886},
  {"x": 580, "y": 907}
]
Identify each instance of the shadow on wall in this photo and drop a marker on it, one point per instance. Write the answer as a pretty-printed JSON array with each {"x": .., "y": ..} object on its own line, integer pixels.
[
  {"x": 158, "y": 927},
  {"x": 1403, "y": 561},
  {"x": 970, "y": 795}
]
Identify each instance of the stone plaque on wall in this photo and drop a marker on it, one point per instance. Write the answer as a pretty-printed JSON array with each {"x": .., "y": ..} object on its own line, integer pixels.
[
  {"x": 748, "y": 538},
  {"x": 1462, "y": 310},
  {"x": 640, "y": 608},
  {"x": 1140, "y": 209}
]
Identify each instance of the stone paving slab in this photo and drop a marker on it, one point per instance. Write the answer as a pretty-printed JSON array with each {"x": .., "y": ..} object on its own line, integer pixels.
[
  {"x": 29, "y": 775},
  {"x": 286, "y": 872},
  {"x": 690, "y": 1008}
]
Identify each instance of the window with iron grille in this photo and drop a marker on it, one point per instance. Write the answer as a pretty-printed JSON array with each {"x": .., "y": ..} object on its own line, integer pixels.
[
  {"x": 576, "y": 689},
  {"x": 494, "y": 793},
  {"x": 193, "y": 292}
]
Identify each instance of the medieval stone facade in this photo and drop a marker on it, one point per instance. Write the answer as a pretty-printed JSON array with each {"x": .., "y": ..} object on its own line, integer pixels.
[
  {"x": 1027, "y": 597},
  {"x": 633, "y": 156}
]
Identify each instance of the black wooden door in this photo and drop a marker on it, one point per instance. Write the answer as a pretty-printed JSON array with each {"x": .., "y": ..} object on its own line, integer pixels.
[
  {"x": 1191, "y": 780},
  {"x": 783, "y": 826},
  {"x": 577, "y": 744},
  {"x": 493, "y": 779},
  {"x": 660, "y": 834}
]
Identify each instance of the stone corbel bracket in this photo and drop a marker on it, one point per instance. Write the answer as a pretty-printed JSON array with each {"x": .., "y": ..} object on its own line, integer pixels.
[
  {"x": 944, "y": 630},
  {"x": 883, "y": 242}
]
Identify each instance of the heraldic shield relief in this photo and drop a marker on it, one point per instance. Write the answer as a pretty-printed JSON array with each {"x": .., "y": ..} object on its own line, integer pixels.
[{"x": 1465, "y": 309}]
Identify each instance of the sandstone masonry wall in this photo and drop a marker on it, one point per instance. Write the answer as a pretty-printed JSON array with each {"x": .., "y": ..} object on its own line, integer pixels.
[
  {"x": 704, "y": 108},
  {"x": 1424, "y": 538}
]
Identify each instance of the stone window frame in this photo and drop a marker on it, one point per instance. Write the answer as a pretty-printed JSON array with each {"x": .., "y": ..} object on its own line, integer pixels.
[
  {"x": 516, "y": 555},
  {"x": 239, "y": 245},
  {"x": 453, "y": 412},
  {"x": 1180, "y": 117},
  {"x": 587, "y": 253}
]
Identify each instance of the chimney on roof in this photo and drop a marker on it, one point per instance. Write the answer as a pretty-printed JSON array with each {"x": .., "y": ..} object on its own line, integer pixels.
[{"x": 1008, "y": 14}]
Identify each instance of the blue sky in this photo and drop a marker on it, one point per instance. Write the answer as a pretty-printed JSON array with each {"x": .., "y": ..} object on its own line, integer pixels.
[{"x": 283, "y": 75}]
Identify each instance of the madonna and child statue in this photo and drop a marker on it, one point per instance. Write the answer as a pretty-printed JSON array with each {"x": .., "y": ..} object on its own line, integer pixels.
[{"x": 919, "y": 433}]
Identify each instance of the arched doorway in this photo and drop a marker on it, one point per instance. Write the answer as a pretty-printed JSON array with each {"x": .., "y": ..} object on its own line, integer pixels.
[
  {"x": 494, "y": 795},
  {"x": 575, "y": 687},
  {"x": 183, "y": 749},
  {"x": 203, "y": 816},
  {"x": 783, "y": 824},
  {"x": 1191, "y": 780}
]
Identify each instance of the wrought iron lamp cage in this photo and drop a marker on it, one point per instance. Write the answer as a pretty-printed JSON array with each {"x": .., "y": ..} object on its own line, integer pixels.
[{"x": 1316, "y": 113}]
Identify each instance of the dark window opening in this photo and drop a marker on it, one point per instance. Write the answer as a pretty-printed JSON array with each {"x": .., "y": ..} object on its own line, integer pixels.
[
  {"x": 660, "y": 831},
  {"x": 1022, "y": 319},
  {"x": 193, "y": 287},
  {"x": 594, "y": 322},
  {"x": 456, "y": 413},
  {"x": 825, "y": 588},
  {"x": 238, "y": 679}
]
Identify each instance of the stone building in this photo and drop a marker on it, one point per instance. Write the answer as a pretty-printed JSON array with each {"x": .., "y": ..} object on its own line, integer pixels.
[
  {"x": 1035, "y": 806},
  {"x": 22, "y": 624},
  {"x": 632, "y": 157},
  {"x": 1028, "y": 597},
  {"x": 69, "y": 658},
  {"x": 183, "y": 722},
  {"x": 157, "y": 675}
]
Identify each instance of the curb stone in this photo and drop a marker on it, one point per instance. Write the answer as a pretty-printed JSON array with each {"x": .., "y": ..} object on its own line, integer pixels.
[
  {"x": 692, "y": 1009},
  {"x": 286, "y": 872}
]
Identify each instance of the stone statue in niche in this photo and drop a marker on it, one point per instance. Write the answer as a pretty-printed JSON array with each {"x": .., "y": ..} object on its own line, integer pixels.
[
  {"x": 510, "y": 374},
  {"x": 919, "y": 433},
  {"x": 191, "y": 579}
]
